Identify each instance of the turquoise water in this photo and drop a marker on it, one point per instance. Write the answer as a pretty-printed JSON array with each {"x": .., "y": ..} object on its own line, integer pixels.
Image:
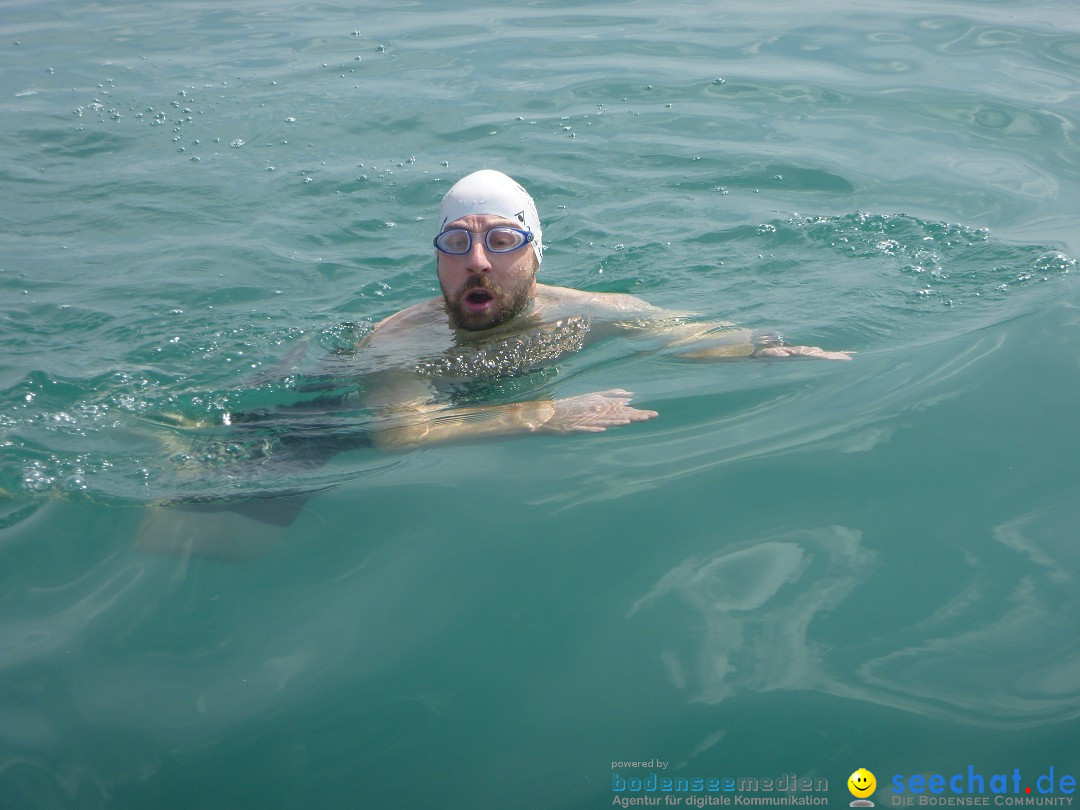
[{"x": 797, "y": 568}]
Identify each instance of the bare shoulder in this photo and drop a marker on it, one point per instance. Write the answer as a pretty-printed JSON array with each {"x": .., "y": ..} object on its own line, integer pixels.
[
  {"x": 419, "y": 316},
  {"x": 595, "y": 303}
]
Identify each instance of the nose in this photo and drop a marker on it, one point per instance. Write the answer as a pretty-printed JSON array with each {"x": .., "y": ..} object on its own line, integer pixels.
[{"x": 476, "y": 259}]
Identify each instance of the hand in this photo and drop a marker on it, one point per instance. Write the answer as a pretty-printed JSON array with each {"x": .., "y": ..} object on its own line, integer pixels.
[
  {"x": 802, "y": 351},
  {"x": 592, "y": 413}
]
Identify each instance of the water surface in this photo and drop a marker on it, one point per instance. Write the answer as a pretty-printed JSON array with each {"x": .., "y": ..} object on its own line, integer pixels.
[{"x": 797, "y": 568}]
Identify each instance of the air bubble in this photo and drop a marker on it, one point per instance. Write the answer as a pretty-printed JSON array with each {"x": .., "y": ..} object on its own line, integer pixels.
[{"x": 1054, "y": 261}]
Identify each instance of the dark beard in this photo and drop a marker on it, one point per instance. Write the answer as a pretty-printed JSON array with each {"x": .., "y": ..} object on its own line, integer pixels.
[{"x": 506, "y": 304}]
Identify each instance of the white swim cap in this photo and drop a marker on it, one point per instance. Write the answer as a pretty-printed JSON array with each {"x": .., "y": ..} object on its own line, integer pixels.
[{"x": 491, "y": 192}]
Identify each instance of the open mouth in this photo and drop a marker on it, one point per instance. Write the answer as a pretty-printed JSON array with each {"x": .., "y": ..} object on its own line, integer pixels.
[{"x": 478, "y": 299}]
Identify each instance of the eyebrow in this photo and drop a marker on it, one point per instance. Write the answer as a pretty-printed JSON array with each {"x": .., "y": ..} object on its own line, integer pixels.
[{"x": 504, "y": 222}]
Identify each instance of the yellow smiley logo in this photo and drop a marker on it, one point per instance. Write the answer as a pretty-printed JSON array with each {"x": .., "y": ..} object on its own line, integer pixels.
[{"x": 861, "y": 783}]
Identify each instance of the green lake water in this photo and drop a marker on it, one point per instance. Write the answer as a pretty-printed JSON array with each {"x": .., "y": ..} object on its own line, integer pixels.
[{"x": 797, "y": 568}]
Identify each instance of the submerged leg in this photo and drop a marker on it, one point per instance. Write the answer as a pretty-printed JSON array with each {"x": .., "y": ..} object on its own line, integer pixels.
[
  {"x": 244, "y": 525},
  {"x": 225, "y": 530}
]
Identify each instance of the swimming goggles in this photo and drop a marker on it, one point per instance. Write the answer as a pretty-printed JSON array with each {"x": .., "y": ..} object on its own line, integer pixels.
[{"x": 459, "y": 241}]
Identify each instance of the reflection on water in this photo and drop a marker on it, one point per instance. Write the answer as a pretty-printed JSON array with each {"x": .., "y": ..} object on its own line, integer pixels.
[
  {"x": 753, "y": 606},
  {"x": 995, "y": 653},
  {"x": 999, "y": 650}
]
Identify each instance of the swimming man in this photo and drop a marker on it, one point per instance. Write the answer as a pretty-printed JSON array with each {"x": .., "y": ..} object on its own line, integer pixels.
[{"x": 494, "y": 320}]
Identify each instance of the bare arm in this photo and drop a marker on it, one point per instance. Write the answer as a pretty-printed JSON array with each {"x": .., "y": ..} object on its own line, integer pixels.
[
  {"x": 720, "y": 340},
  {"x": 416, "y": 425},
  {"x": 669, "y": 329},
  {"x": 735, "y": 343}
]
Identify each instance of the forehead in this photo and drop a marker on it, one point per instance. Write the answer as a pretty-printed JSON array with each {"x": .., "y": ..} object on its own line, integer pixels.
[{"x": 480, "y": 222}]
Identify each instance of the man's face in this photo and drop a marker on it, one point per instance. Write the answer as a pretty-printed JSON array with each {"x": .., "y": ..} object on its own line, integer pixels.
[{"x": 484, "y": 289}]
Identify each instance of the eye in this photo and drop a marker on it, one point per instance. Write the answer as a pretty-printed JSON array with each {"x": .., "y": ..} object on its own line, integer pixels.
[
  {"x": 503, "y": 239},
  {"x": 455, "y": 241}
]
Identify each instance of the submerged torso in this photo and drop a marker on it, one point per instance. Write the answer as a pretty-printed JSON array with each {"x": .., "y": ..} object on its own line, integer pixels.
[
  {"x": 560, "y": 321},
  {"x": 509, "y": 355}
]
